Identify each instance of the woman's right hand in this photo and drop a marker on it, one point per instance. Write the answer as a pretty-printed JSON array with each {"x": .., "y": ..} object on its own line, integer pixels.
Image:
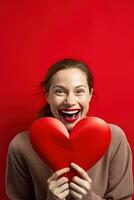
[{"x": 58, "y": 186}]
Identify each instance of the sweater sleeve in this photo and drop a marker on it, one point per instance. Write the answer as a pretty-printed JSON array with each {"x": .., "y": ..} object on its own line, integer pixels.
[
  {"x": 19, "y": 184},
  {"x": 120, "y": 177}
]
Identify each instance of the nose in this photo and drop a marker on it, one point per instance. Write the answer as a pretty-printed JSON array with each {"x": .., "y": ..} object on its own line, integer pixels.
[{"x": 70, "y": 99}]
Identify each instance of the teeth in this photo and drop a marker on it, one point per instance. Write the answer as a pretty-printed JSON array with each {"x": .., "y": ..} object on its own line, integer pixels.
[{"x": 69, "y": 112}]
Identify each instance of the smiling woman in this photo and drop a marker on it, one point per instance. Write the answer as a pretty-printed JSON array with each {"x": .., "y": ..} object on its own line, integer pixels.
[
  {"x": 68, "y": 88},
  {"x": 68, "y": 96}
]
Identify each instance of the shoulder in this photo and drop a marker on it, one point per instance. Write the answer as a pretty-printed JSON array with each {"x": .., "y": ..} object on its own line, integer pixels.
[
  {"x": 119, "y": 143},
  {"x": 117, "y": 132},
  {"x": 19, "y": 142}
]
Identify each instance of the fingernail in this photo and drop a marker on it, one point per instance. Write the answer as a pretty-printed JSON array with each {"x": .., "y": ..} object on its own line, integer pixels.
[{"x": 73, "y": 164}]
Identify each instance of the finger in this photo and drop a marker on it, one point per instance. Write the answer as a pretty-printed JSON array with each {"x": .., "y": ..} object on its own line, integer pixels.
[
  {"x": 63, "y": 194},
  {"x": 81, "y": 171},
  {"x": 76, "y": 195},
  {"x": 60, "y": 182},
  {"x": 57, "y": 191},
  {"x": 78, "y": 189},
  {"x": 82, "y": 183},
  {"x": 63, "y": 188},
  {"x": 58, "y": 173},
  {"x": 53, "y": 186}
]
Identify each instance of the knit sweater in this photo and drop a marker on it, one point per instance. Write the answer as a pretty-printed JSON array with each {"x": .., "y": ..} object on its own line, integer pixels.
[{"x": 27, "y": 174}]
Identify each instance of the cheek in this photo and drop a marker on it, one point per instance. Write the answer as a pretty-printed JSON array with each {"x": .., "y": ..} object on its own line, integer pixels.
[
  {"x": 85, "y": 100},
  {"x": 55, "y": 101},
  {"x": 85, "y": 103}
]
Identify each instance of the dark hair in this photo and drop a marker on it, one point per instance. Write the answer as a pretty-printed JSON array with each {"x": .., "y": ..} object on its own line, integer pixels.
[{"x": 60, "y": 65}]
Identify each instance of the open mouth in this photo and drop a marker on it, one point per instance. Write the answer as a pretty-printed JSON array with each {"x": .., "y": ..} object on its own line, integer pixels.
[{"x": 69, "y": 115}]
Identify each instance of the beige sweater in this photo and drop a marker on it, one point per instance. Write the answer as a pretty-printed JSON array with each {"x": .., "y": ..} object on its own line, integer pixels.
[{"x": 27, "y": 174}]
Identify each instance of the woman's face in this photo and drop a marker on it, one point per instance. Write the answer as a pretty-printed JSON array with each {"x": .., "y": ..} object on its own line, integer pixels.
[{"x": 69, "y": 96}]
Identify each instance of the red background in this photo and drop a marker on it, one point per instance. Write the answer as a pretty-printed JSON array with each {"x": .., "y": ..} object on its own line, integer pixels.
[{"x": 34, "y": 34}]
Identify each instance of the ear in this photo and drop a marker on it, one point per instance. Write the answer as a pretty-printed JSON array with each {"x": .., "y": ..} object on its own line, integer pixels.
[
  {"x": 47, "y": 98},
  {"x": 92, "y": 90},
  {"x": 90, "y": 95}
]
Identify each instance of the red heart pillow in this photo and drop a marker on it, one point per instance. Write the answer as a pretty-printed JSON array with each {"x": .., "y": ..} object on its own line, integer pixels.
[{"x": 86, "y": 144}]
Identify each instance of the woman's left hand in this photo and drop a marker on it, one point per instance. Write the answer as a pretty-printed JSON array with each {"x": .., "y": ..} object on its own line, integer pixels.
[{"x": 80, "y": 187}]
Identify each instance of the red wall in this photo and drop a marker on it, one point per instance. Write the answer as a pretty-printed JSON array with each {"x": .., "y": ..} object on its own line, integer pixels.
[{"x": 34, "y": 34}]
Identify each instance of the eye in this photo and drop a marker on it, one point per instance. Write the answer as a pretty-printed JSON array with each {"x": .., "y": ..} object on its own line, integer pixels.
[
  {"x": 59, "y": 92},
  {"x": 80, "y": 91}
]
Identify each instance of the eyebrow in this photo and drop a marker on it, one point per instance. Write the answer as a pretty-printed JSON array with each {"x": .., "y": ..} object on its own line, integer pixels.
[{"x": 65, "y": 88}]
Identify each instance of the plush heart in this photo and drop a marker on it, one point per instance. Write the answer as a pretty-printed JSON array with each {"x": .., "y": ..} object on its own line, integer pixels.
[{"x": 85, "y": 145}]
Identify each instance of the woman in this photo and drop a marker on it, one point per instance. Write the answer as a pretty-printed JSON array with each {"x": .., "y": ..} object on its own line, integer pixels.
[{"x": 68, "y": 88}]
